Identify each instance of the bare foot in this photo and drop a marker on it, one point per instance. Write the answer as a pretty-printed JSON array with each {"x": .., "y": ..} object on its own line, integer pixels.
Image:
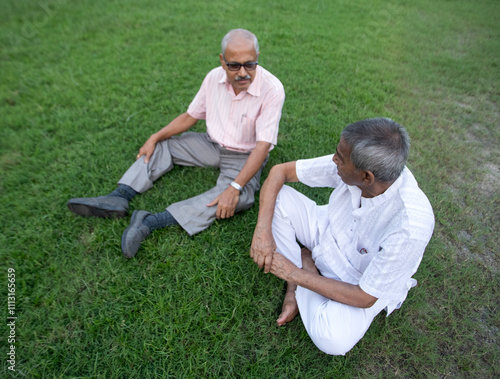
[{"x": 290, "y": 308}]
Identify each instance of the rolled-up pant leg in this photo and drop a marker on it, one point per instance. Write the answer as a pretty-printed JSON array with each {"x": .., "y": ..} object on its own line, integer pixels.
[
  {"x": 188, "y": 149},
  {"x": 333, "y": 327},
  {"x": 194, "y": 215}
]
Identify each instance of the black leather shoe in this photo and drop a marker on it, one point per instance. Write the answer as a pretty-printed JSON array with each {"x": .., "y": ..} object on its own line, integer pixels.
[
  {"x": 102, "y": 206},
  {"x": 135, "y": 233}
]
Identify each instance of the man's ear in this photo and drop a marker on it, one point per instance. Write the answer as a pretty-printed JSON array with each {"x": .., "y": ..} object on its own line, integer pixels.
[
  {"x": 221, "y": 57},
  {"x": 368, "y": 178}
]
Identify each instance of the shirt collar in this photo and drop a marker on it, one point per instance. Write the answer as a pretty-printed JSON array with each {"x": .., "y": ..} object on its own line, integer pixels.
[
  {"x": 254, "y": 88},
  {"x": 388, "y": 194}
]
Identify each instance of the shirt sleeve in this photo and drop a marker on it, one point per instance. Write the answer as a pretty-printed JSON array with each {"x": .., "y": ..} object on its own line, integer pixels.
[
  {"x": 267, "y": 124},
  {"x": 318, "y": 172},
  {"x": 198, "y": 107}
]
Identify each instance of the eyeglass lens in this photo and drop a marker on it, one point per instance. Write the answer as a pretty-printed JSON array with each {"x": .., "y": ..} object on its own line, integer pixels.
[{"x": 249, "y": 66}]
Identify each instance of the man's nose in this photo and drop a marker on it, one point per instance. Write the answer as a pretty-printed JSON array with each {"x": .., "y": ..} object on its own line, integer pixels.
[{"x": 242, "y": 71}]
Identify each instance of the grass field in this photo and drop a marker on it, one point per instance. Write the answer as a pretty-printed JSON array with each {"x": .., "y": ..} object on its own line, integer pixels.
[{"x": 83, "y": 84}]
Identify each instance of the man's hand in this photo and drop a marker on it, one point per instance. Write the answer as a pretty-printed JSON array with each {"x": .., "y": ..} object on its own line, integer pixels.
[
  {"x": 178, "y": 125},
  {"x": 263, "y": 247},
  {"x": 226, "y": 202},
  {"x": 147, "y": 149},
  {"x": 283, "y": 268}
]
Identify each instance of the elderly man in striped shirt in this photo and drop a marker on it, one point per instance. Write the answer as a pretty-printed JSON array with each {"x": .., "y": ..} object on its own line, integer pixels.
[
  {"x": 360, "y": 251},
  {"x": 241, "y": 103}
]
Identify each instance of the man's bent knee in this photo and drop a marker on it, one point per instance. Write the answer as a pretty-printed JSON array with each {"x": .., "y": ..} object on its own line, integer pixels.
[{"x": 333, "y": 347}]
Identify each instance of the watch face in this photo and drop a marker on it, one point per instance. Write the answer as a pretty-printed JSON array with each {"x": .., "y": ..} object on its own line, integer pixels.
[{"x": 236, "y": 185}]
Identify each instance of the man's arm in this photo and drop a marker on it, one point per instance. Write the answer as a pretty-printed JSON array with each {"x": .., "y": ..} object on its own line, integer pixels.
[
  {"x": 178, "y": 125},
  {"x": 226, "y": 202},
  {"x": 309, "y": 277},
  {"x": 263, "y": 244}
]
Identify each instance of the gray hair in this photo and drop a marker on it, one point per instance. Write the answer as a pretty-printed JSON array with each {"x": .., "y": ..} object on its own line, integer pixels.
[
  {"x": 239, "y": 33},
  {"x": 379, "y": 145}
]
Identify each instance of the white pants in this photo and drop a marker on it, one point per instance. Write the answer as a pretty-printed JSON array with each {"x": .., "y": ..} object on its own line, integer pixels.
[{"x": 333, "y": 327}]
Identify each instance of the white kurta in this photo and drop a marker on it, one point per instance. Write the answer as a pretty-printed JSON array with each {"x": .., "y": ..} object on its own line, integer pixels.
[{"x": 377, "y": 243}]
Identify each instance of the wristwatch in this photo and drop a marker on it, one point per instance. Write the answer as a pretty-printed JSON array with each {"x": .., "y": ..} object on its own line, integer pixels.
[{"x": 237, "y": 186}]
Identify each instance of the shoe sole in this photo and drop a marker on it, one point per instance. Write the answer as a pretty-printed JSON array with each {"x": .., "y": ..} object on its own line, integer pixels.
[{"x": 89, "y": 211}]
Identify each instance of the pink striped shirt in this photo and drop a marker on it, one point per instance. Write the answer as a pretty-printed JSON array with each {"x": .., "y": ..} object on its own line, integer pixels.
[{"x": 238, "y": 122}]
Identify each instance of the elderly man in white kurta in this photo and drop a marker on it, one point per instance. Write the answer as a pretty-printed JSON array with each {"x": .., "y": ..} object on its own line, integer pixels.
[
  {"x": 346, "y": 261},
  {"x": 241, "y": 103}
]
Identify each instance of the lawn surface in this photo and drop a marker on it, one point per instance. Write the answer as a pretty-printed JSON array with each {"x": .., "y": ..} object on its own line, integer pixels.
[{"x": 84, "y": 83}]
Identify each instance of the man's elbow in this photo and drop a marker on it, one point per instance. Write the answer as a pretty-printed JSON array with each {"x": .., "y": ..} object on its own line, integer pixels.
[
  {"x": 190, "y": 120},
  {"x": 284, "y": 171},
  {"x": 264, "y": 146},
  {"x": 366, "y": 300},
  {"x": 369, "y": 302},
  {"x": 277, "y": 169}
]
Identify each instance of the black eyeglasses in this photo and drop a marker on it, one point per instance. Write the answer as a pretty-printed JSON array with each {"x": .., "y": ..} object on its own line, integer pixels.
[{"x": 235, "y": 66}]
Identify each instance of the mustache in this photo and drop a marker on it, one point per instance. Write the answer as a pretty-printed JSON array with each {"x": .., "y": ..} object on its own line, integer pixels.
[{"x": 246, "y": 77}]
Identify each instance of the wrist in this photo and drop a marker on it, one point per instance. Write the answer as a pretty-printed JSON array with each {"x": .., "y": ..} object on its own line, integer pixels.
[
  {"x": 263, "y": 227},
  {"x": 154, "y": 138},
  {"x": 236, "y": 186},
  {"x": 295, "y": 275}
]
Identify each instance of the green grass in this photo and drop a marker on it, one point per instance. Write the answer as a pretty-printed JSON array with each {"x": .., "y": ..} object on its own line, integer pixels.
[{"x": 83, "y": 84}]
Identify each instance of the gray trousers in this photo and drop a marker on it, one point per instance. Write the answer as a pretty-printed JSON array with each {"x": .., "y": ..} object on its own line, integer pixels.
[{"x": 194, "y": 149}]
